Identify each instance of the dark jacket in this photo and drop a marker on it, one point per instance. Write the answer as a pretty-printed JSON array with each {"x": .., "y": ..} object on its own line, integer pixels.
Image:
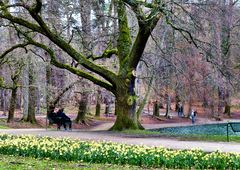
[{"x": 63, "y": 115}]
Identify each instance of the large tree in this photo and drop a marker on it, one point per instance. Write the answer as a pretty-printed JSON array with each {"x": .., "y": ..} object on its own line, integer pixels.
[{"x": 128, "y": 51}]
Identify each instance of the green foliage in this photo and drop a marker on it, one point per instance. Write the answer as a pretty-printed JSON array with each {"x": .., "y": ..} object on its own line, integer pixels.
[
  {"x": 3, "y": 127},
  {"x": 2, "y": 82},
  {"x": 110, "y": 153},
  {"x": 140, "y": 132}
]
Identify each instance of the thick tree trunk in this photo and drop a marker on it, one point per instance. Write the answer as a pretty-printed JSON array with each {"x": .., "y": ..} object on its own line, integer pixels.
[
  {"x": 125, "y": 115},
  {"x": 12, "y": 105},
  {"x": 125, "y": 106},
  {"x": 82, "y": 109}
]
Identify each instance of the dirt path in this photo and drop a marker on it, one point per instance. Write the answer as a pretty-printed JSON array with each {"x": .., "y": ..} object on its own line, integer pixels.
[
  {"x": 116, "y": 138},
  {"x": 200, "y": 121},
  {"x": 100, "y": 133}
]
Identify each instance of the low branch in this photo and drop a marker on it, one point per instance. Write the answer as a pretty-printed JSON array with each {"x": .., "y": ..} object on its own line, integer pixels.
[
  {"x": 182, "y": 31},
  {"x": 106, "y": 54},
  {"x": 76, "y": 71},
  {"x": 79, "y": 57},
  {"x": 12, "y": 49},
  {"x": 57, "y": 99}
]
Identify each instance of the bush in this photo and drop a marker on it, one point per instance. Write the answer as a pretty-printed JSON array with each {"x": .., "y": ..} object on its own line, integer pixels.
[{"x": 107, "y": 152}]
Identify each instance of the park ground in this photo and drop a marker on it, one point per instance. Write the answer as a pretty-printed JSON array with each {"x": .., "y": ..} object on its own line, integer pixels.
[
  {"x": 150, "y": 122},
  {"x": 97, "y": 129}
]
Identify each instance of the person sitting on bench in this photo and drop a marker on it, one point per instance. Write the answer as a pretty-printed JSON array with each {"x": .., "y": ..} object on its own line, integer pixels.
[
  {"x": 64, "y": 119},
  {"x": 53, "y": 118}
]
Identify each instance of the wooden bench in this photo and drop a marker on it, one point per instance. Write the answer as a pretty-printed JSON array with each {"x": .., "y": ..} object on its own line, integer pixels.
[
  {"x": 235, "y": 128},
  {"x": 52, "y": 121}
]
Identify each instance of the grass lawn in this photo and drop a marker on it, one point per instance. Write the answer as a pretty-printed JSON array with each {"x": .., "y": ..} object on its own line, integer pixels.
[
  {"x": 3, "y": 127},
  {"x": 140, "y": 132},
  {"x": 209, "y": 132},
  {"x": 214, "y": 138},
  {"x": 27, "y": 163}
]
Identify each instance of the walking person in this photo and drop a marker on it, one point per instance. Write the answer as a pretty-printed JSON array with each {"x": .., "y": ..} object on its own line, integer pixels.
[
  {"x": 193, "y": 116},
  {"x": 180, "y": 109}
]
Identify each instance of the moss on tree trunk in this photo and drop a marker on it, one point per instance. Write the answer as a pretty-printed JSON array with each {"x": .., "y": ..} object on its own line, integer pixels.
[
  {"x": 125, "y": 117},
  {"x": 125, "y": 107},
  {"x": 129, "y": 54}
]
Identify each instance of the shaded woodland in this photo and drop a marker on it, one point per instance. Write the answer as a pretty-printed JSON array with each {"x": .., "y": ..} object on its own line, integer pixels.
[{"x": 127, "y": 53}]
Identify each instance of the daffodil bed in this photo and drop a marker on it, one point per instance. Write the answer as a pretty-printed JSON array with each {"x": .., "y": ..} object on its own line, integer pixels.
[{"x": 106, "y": 152}]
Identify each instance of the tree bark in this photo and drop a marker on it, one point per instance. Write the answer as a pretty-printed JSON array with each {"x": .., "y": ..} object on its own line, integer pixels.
[
  {"x": 32, "y": 105},
  {"x": 48, "y": 83},
  {"x": 98, "y": 105},
  {"x": 168, "y": 106},
  {"x": 125, "y": 106},
  {"x": 12, "y": 105},
  {"x": 129, "y": 53},
  {"x": 156, "y": 109},
  {"x": 227, "y": 110},
  {"x": 32, "y": 94},
  {"x": 82, "y": 108},
  {"x": 25, "y": 91},
  {"x": 226, "y": 29}
]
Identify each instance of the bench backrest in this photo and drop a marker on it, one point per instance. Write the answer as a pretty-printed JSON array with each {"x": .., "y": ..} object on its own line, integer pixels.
[
  {"x": 51, "y": 121},
  {"x": 235, "y": 126}
]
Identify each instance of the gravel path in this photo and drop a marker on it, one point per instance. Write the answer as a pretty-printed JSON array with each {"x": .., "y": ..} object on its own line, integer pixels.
[{"x": 98, "y": 134}]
